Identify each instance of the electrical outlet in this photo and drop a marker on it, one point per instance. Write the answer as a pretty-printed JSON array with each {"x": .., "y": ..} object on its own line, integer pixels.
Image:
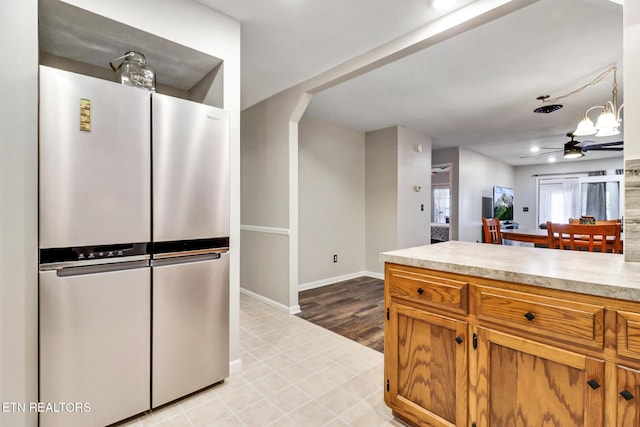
[
  {"x": 422, "y": 208},
  {"x": 335, "y": 258}
]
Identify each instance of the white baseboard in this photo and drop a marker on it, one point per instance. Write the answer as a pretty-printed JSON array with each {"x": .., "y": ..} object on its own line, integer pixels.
[
  {"x": 291, "y": 310},
  {"x": 235, "y": 366},
  {"x": 374, "y": 275},
  {"x": 310, "y": 285},
  {"x": 336, "y": 279}
]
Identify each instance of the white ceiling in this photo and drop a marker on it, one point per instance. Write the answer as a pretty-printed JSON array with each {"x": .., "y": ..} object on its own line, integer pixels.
[{"x": 475, "y": 90}]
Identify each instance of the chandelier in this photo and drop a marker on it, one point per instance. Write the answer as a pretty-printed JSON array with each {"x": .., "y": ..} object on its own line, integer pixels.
[{"x": 609, "y": 119}]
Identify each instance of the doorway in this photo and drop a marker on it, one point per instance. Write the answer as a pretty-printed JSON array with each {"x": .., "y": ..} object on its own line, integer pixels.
[{"x": 441, "y": 202}]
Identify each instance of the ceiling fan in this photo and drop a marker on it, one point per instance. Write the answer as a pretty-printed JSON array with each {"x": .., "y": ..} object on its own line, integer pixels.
[{"x": 575, "y": 149}]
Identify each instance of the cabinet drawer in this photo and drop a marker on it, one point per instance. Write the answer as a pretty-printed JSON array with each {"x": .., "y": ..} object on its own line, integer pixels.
[
  {"x": 576, "y": 322},
  {"x": 628, "y": 334},
  {"x": 434, "y": 291}
]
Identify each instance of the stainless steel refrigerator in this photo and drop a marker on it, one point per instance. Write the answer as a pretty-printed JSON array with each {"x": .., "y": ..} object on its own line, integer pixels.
[
  {"x": 190, "y": 265},
  {"x": 134, "y": 237},
  {"x": 94, "y": 234}
]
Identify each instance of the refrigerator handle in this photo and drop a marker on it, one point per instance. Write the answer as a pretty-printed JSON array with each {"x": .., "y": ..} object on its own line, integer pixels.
[
  {"x": 100, "y": 268},
  {"x": 185, "y": 259}
]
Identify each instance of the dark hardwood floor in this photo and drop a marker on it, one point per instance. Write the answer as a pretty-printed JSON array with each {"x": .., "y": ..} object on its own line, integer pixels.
[{"x": 353, "y": 308}]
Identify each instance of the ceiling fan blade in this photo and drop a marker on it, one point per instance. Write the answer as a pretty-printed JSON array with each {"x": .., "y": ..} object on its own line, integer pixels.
[
  {"x": 539, "y": 155},
  {"x": 604, "y": 146},
  {"x": 549, "y": 154},
  {"x": 604, "y": 149}
]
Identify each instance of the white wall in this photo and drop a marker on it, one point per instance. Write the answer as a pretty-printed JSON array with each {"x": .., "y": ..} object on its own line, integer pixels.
[
  {"x": 18, "y": 208},
  {"x": 392, "y": 206},
  {"x": 440, "y": 178},
  {"x": 351, "y": 182},
  {"x": 414, "y": 169},
  {"x": 331, "y": 201},
  {"x": 381, "y": 211},
  {"x": 478, "y": 175},
  {"x": 265, "y": 171},
  {"x": 526, "y": 193},
  {"x": 264, "y": 265},
  {"x": 270, "y": 198}
]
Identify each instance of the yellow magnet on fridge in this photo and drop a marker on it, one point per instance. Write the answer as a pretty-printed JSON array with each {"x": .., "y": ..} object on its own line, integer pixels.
[{"x": 85, "y": 114}]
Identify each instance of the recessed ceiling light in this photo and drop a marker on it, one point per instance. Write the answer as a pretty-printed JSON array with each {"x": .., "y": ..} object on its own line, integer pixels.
[
  {"x": 552, "y": 159},
  {"x": 534, "y": 149},
  {"x": 442, "y": 4}
]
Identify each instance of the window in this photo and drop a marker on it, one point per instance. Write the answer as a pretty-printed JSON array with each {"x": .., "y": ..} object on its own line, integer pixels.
[
  {"x": 601, "y": 196},
  {"x": 561, "y": 198},
  {"x": 441, "y": 203},
  {"x": 558, "y": 199}
]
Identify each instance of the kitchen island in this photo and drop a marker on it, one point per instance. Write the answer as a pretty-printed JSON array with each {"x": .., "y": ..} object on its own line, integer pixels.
[{"x": 491, "y": 335}]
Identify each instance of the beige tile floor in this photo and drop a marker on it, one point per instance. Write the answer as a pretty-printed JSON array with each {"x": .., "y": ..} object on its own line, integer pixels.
[{"x": 294, "y": 374}]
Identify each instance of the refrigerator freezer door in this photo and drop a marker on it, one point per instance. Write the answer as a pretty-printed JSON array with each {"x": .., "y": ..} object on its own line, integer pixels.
[
  {"x": 190, "y": 170},
  {"x": 95, "y": 344},
  {"x": 190, "y": 326},
  {"x": 94, "y": 184}
]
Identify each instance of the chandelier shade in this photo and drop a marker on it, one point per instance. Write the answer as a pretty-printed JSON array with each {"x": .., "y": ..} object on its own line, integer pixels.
[{"x": 585, "y": 127}]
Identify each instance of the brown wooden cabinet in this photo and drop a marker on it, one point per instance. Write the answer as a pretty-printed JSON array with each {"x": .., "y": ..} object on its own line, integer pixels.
[
  {"x": 628, "y": 407},
  {"x": 427, "y": 358},
  {"x": 426, "y": 348},
  {"x": 476, "y": 352},
  {"x": 523, "y": 383}
]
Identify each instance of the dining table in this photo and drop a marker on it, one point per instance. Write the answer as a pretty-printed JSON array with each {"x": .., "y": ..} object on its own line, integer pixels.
[{"x": 537, "y": 236}]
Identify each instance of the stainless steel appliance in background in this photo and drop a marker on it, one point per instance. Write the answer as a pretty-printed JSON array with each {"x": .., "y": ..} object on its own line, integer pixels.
[
  {"x": 134, "y": 239},
  {"x": 190, "y": 265},
  {"x": 94, "y": 280}
]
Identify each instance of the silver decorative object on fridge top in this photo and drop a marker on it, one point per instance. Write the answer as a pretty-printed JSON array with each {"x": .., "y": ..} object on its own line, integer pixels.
[{"x": 134, "y": 71}]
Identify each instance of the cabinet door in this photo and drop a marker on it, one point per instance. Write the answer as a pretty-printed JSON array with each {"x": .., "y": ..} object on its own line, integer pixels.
[
  {"x": 628, "y": 397},
  {"x": 426, "y": 366},
  {"x": 523, "y": 383}
]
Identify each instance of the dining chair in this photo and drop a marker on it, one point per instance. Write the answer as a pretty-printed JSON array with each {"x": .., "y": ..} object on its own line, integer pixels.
[
  {"x": 598, "y": 237},
  {"x": 491, "y": 227}
]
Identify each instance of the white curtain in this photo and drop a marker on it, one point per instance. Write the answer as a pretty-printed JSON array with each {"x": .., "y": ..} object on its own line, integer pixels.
[
  {"x": 571, "y": 196},
  {"x": 559, "y": 199},
  {"x": 441, "y": 200}
]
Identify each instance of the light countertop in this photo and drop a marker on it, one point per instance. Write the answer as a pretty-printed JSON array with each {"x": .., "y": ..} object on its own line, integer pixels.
[{"x": 601, "y": 274}]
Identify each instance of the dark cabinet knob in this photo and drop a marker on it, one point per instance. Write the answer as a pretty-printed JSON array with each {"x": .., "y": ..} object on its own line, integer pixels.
[
  {"x": 530, "y": 316},
  {"x": 593, "y": 384},
  {"x": 459, "y": 340},
  {"x": 626, "y": 395},
  {"x": 420, "y": 291}
]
